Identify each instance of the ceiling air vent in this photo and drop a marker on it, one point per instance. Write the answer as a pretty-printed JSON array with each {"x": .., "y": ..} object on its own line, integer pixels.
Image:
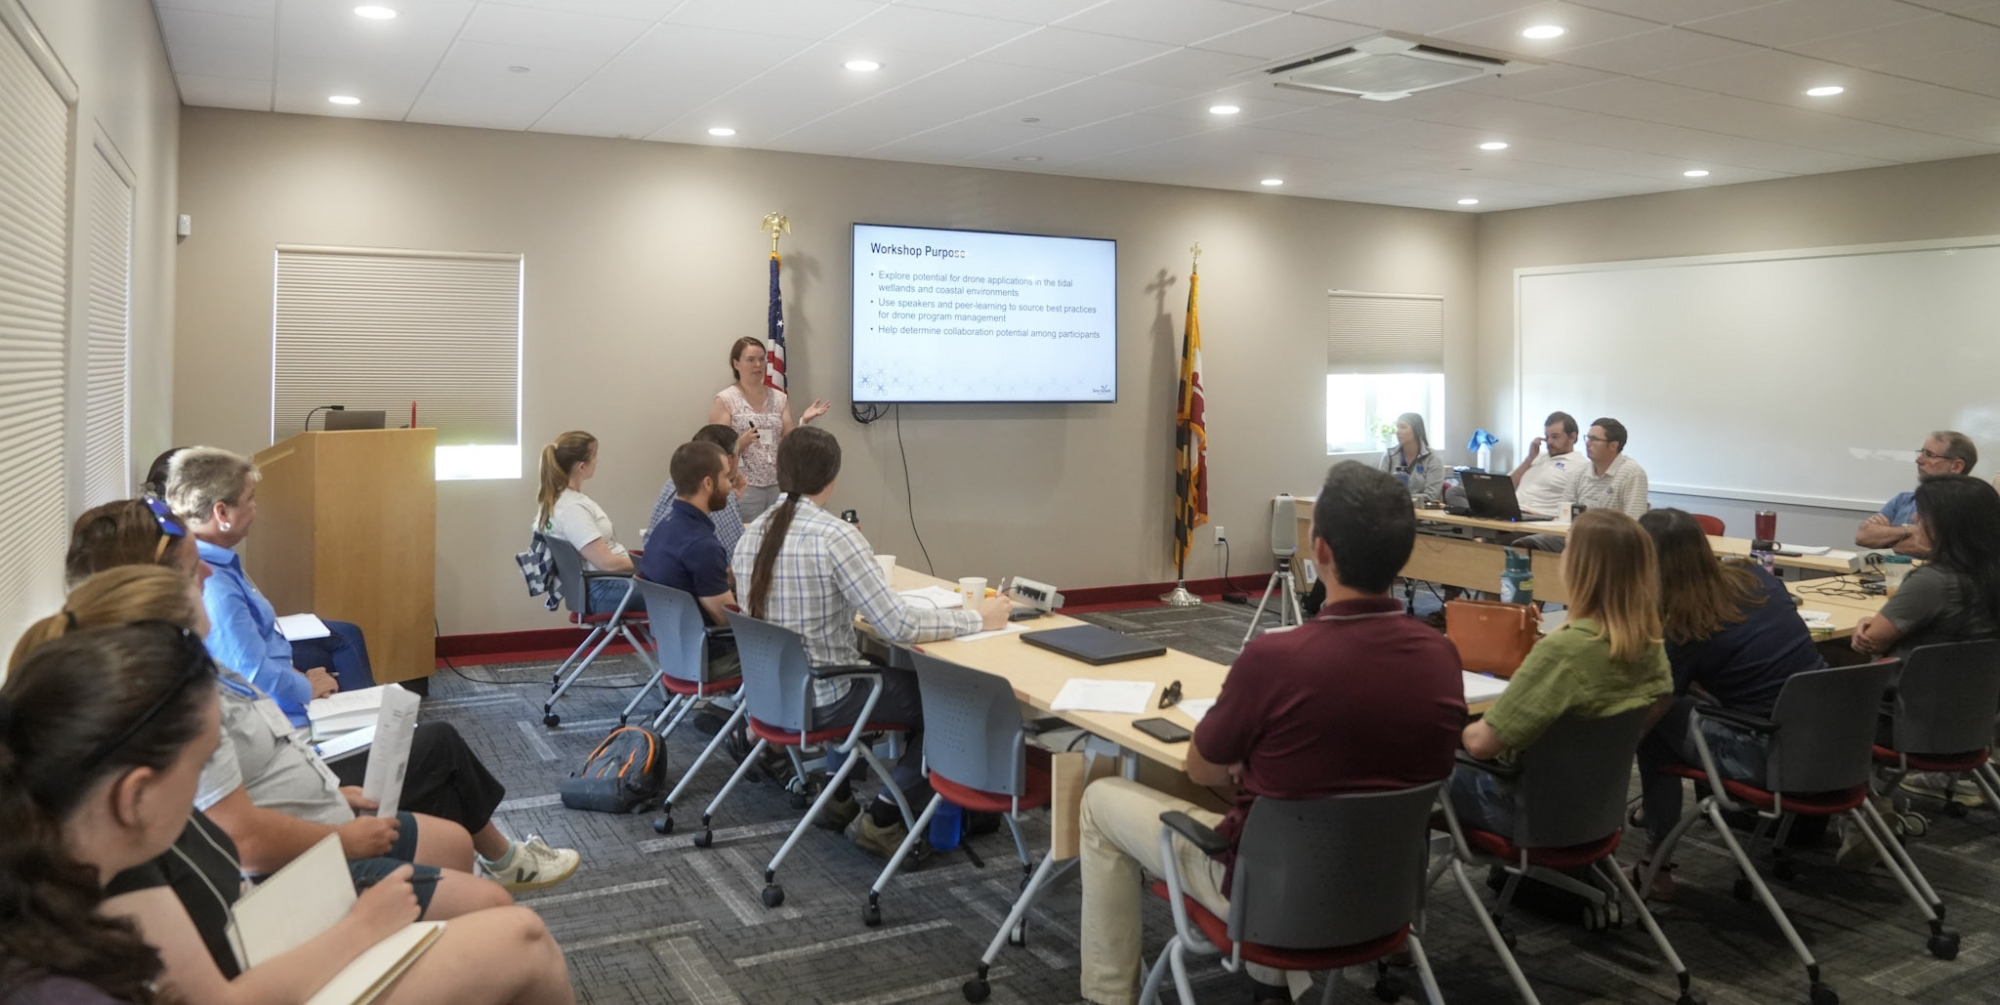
[{"x": 1390, "y": 66}]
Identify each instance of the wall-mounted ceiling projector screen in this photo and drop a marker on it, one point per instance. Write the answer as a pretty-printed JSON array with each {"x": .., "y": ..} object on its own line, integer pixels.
[{"x": 978, "y": 316}]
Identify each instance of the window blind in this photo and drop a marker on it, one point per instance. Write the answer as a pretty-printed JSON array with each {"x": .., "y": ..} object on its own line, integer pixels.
[
  {"x": 371, "y": 329},
  {"x": 36, "y": 97},
  {"x": 1384, "y": 332},
  {"x": 107, "y": 420}
]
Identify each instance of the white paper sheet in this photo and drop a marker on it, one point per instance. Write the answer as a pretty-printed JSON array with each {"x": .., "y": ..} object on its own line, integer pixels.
[
  {"x": 1817, "y": 617},
  {"x": 1009, "y": 629},
  {"x": 1805, "y": 549},
  {"x": 345, "y": 711},
  {"x": 297, "y": 627},
  {"x": 934, "y": 596},
  {"x": 1197, "y": 708},
  {"x": 390, "y": 757},
  {"x": 1479, "y": 687},
  {"x": 1129, "y": 697},
  {"x": 345, "y": 745}
]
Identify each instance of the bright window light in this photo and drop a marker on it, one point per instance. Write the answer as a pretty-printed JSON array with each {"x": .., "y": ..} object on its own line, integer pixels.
[
  {"x": 471, "y": 463},
  {"x": 1361, "y": 409}
]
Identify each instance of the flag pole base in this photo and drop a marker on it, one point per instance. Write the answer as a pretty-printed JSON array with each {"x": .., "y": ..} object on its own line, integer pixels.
[{"x": 1180, "y": 597}]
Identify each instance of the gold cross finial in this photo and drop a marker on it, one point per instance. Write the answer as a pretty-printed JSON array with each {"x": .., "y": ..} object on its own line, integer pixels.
[
  {"x": 1196, "y": 252},
  {"x": 774, "y": 223}
]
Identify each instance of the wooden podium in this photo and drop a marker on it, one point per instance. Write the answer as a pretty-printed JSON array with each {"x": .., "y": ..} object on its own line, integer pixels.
[{"x": 347, "y": 529}]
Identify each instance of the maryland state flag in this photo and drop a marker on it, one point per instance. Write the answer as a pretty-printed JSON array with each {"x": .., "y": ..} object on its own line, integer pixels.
[
  {"x": 774, "y": 374},
  {"x": 1190, "y": 437}
]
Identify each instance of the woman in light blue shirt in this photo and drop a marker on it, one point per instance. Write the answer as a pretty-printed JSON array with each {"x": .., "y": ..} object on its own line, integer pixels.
[
  {"x": 214, "y": 492},
  {"x": 1411, "y": 460}
]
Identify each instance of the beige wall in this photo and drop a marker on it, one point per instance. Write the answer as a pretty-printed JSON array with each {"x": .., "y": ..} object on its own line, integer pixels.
[
  {"x": 644, "y": 263},
  {"x": 126, "y": 94}
]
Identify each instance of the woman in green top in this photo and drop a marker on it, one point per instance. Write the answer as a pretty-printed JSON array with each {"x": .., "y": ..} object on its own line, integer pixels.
[{"x": 1607, "y": 659}]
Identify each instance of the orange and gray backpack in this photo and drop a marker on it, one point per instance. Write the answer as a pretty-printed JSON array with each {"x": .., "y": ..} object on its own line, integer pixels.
[{"x": 627, "y": 771}]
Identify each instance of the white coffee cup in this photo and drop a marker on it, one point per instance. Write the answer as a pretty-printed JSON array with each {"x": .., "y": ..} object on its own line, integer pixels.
[
  {"x": 888, "y": 564},
  {"x": 972, "y": 591}
]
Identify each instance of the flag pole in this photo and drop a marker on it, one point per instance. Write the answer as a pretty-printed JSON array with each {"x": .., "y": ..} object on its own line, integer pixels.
[{"x": 1180, "y": 596}]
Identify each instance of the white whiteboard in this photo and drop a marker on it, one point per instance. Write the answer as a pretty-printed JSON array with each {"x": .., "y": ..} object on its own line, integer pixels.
[{"x": 1807, "y": 377}]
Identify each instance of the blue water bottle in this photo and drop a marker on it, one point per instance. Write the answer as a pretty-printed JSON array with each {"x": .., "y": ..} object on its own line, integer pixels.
[{"x": 944, "y": 827}]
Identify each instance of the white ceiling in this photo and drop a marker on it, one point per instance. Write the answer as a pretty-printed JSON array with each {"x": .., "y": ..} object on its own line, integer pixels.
[{"x": 1636, "y": 92}]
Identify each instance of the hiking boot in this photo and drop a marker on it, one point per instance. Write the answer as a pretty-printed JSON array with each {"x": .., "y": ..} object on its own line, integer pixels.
[
  {"x": 876, "y": 839},
  {"x": 535, "y": 866},
  {"x": 838, "y": 813}
]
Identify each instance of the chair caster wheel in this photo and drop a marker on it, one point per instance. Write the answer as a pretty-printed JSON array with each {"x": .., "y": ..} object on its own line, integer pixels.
[
  {"x": 871, "y": 915},
  {"x": 664, "y": 825},
  {"x": 1914, "y": 824},
  {"x": 704, "y": 839},
  {"x": 1019, "y": 936},
  {"x": 621, "y": 720},
  {"x": 799, "y": 801},
  {"x": 1742, "y": 890},
  {"x": 1690, "y": 998},
  {"x": 1785, "y": 870},
  {"x": 1944, "y": 945},
  {"x": 774, "y": 895},
  {"x": 1824, "y": 995},
  {"x": 1954, "y": 810},
  {"x": 976, "y": 990},
  {"x": 550, "y": 719},
  {"x": 1387, "y": 990}
]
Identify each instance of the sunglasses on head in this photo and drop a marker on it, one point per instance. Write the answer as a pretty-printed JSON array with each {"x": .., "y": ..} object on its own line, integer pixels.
[
  {"x": 195, "y": 665},
  {"x": 170, "y": 528}
]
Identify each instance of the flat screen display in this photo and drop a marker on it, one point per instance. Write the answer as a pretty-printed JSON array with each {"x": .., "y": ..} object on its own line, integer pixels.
[{"x": 980, "y": 316}]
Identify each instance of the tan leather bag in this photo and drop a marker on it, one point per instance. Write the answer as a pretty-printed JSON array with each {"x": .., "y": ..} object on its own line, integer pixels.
[{"x": 1492, "y": 637}]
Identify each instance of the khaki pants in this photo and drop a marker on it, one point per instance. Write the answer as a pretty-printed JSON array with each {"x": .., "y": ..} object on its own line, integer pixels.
[{"x": 1121, "y": 836}]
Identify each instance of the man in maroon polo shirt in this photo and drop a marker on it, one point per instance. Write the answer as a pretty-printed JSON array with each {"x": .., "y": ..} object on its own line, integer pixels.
[{"x": 1359, "y": 699}]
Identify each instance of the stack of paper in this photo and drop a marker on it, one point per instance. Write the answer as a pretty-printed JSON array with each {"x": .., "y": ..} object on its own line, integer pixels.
[
  {"x": 934, "y": 596},
  {"x": 343, "y": 711},
  {"x": 299, "y": 627},
  {"x": 301, "y": 902},
  {"x": 1127, "y": 696},
  {"x": 1479, "y": 687},
  {"x": 1197, "y": 708}
]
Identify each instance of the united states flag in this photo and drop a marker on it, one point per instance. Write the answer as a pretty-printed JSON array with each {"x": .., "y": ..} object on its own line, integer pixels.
[{"x": 774, "y": 374}]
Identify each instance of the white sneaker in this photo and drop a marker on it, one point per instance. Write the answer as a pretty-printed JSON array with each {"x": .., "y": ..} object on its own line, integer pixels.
[
  {"x": 1938, "y": 785},
  {"x": 536, "y": 866}
]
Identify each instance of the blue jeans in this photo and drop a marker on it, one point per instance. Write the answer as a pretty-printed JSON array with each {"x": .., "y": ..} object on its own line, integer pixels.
[
  {"x": 605, "y": 593},
  {"x": 1739, "y": 756},
  {"x": 344, "y": 654},
  {"x": 1482, "y": 801},
  {"x": 423, "y": 878}
]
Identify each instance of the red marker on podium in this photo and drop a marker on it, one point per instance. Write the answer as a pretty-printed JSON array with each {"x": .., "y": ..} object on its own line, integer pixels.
[{"x": 413, "y": 415}]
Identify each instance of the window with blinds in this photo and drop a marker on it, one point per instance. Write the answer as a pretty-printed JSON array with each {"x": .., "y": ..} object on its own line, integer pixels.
[
  {"x": 1384, "y": 358},
  {"x": 36, "y": 102},
  {"x": 107, "y": 415},
  {"x": 380, "y": 329}
]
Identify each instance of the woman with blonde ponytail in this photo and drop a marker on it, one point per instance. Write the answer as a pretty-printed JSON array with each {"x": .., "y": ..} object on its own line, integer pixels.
[{"x": 564, "y": 512}]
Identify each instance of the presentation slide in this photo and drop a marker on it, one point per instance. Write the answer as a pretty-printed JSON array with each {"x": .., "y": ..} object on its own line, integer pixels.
[{"x": 969, "y": 315}]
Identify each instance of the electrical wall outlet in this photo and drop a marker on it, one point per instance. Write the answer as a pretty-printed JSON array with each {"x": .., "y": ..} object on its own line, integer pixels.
[{"x": 1220, "y": 537}]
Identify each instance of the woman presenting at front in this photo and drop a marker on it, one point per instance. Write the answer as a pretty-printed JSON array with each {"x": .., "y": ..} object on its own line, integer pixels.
[{"x": 751, "y": 405}]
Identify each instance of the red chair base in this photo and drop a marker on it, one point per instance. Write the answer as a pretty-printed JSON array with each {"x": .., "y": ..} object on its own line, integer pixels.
[
  {"x": 980, "y": 801},
  {"x": 1811, "y": 804},
  {"x": 1933, "y": 762},
  {"x": 787, "y": 738},
  {"x": 692, "y": 688},
  {"x": 1216, "y": 930},
  {"x": 1499, "y": 846}
]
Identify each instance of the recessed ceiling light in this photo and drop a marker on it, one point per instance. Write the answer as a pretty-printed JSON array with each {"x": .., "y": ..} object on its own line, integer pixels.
[
  {"x": 1824, "y": 92},
  {"x": 1493, "y": 145},
  {"x": 1030, "y": 158},
  {"x": 1272, "y": 182},
  {"x": 721, "y": 131},
  {"x": 344, "y": 99},
  {"x": 1468, "y": 202},
  {"x": 1544, "y": 31},
  {"x": 862, "y": 65},
  {"x": 375, "y": 13},
  {"x": 517, "y": 69},
  {"x": 1031, "y": 119},
  {"x": 1223, "y": 109},
  {"x": 1695, "y": 173}
]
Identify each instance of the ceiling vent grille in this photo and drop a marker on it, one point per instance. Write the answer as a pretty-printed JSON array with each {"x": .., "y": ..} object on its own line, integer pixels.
[{"x": 1391, "y": 66}]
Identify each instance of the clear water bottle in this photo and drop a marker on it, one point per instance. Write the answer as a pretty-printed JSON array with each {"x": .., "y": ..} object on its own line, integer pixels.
[{"x": 945, "y": 827}]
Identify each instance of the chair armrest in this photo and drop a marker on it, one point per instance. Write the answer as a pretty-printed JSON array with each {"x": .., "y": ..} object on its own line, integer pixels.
[
  {"x": 849, "y": 670},
  {"x": 601, "y": 574},
  {"x": 1199, "y": 835},
  {"x": 1740, "y": 720},
  {"x": 1494, "y": 768}
]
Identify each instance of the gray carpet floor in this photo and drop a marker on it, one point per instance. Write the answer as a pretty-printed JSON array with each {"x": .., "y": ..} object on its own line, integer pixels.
[{"x": 648, "y": 918}]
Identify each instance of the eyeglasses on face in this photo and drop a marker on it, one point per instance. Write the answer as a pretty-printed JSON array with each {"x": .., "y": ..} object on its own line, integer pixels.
[{"x": 1927, "y": 454}]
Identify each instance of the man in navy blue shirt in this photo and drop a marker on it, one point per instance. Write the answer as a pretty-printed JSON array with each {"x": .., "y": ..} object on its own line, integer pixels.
[{"x": 683, "y": 551}]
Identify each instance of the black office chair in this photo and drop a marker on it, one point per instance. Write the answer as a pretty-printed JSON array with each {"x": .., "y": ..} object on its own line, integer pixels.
[
  {"x": 605, "y": 626},
  {"x": 1569, "y": 792},
  {"x": 1319, "y": 884}
]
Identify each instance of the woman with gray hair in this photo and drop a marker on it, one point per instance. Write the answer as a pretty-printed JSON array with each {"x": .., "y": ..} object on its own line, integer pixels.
[{"x": 214, "y": 492}]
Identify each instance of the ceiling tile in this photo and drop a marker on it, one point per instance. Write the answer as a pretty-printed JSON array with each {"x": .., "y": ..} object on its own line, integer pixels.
[
  {"x": 813, "y": 19},
  {"x": 1766, "y": 75},
  {"x": 1250, "y": 100},
  {"x": 500, "y": 24},
  {"x": 934, "y": 31},
  {"x": 1659, "y": 49},
  {"x": 1677, "y": 11},
  {"x": 328, "y": 30},
  {"x": 803, "y": 88},
  {"x": 1794, "y": 21},
  {"x": 1976, "y": 70},
  {"x": 1097, "y": 98},
  {"x": 1534, "y": 80},
  {"x": 1173, "y": 22},
  {"x": 1031, "y": 11},
  {"x": 1419, "y": 16},
  {"x": 670, "y": 71},
  {"x": 240, "y": 8},
  {"x": 966, "y": 139},
  {"x": 1910, "y": 40},
  {"x": 218, "y": 45},
  {"x": 386, "y": 90},
  {"x": 1190, "y": 68},
  {"x": 224, "y": 92},
  {"x": 1286, "y": 36},
  {"x": 969, "y": 88},
  {"x": 475, "y": 87},
  {"x": 1798, "y": 127},
  {"x": 1073, "y": 51},
  {"x": 1585, "y": 26},
  {"x": 644, "y": 10},
  {"x": 1618, "y": 96}
]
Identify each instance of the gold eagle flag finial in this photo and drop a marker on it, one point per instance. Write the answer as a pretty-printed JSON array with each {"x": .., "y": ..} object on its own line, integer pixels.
[
  {"x": 775, "y": 223},
  {"x": 1196, "y": 252}
]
